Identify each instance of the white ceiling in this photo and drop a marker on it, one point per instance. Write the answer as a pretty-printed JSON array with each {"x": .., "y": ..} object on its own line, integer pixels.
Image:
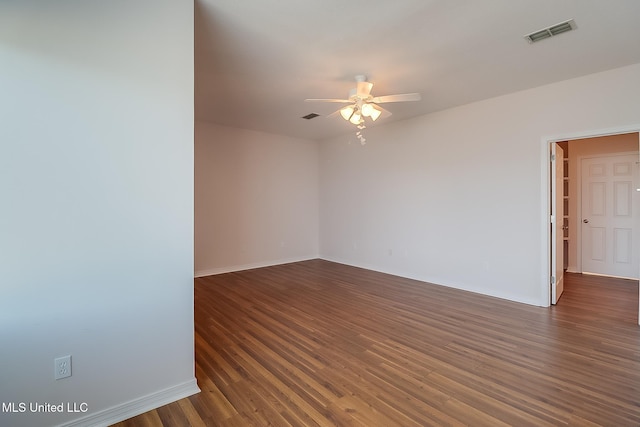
[{"x": 257, "y": 60}]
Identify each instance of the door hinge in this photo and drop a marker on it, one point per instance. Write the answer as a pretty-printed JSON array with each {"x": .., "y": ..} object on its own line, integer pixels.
[
  {"x": 553, "y": 280},
  {"x": 553, "y": 157}
]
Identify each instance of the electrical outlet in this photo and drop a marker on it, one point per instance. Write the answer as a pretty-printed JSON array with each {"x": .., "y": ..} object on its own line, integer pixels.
[{"x": 62, "y": 367}]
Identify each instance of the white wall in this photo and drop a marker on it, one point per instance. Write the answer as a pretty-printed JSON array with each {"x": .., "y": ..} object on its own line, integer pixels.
[
  {"x": 256, "y": 199},
  {"x": 455, "y": 197},
  {"x": 96, "y": 196}
]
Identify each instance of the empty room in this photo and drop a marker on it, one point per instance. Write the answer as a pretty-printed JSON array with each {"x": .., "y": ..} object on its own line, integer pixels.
[{"x": 364, "y": 213}]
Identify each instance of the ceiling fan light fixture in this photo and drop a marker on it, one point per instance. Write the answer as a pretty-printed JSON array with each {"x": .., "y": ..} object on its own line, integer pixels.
[
  {"x": 375, "y": 112},
  {"x": 367, "y": 109},
  {"x": 371, "y": 110},
  {"x": 361, "y": 103},
  {"x": 347, "y": 112}
]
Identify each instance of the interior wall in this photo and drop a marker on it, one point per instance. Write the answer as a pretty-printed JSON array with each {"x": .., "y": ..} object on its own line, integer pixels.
[
  {"x": 589, "y": 147},
  {"x": 256, "y": 199},
  {"x": 454, "y": 197},
  {"x": 96, "y": 229}
]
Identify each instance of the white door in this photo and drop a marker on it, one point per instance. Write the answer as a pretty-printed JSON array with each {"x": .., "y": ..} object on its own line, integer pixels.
[
  {"x": 557, "y": 221},
  {"x": 610, "y": 213}
]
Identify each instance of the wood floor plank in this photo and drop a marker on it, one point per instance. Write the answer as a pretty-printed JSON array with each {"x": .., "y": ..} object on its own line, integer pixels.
[{"x": 321, "y": 344}]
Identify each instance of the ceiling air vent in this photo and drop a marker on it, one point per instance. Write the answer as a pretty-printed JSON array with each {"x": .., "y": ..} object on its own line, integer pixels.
[
  {"x": 554, "y": 30},
  {"x": 310, "y": 116}
]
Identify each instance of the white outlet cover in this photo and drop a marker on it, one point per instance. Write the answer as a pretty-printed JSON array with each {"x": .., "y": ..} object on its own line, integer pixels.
[{"x": 62, "y": 367}]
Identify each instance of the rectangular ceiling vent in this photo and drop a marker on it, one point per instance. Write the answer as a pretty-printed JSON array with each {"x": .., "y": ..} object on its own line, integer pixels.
[
  {"x": 554, "y": 30},
  {"x": 310, "y": 116}
]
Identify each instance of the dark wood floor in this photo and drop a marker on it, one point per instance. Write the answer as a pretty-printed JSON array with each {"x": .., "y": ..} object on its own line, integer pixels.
[{"x": 321, "y": 344}]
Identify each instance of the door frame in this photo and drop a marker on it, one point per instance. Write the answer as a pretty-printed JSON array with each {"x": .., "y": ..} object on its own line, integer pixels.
[
  {"x": 557, "y": 221},
  {"x": 545, "y": 198}
]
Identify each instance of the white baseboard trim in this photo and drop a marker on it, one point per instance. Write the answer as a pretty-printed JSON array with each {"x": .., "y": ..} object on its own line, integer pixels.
[
  {"x": 135, "y": 407},
  {"x": 609, "y": 275},
  {"x": 241, "y": 267},
  {"x": 481, "y": 291}
]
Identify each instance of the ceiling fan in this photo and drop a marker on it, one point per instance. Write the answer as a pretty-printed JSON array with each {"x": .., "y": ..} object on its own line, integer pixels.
[{"x": 362, "y": 104}]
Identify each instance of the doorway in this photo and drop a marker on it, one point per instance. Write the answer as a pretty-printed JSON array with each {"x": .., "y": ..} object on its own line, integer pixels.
[{"x": 588, "y": 145}]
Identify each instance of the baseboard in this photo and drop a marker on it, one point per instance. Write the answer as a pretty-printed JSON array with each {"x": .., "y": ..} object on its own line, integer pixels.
[
  {"x": 138, "y": 406},
  {"x": 609, "y": 275},
  {"x": 241, "y": 267},
  {"x": 481, "y": 291}
]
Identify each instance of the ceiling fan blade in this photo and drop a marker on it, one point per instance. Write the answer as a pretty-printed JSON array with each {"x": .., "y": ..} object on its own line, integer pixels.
[
  {"x": 326, "y": 100},
  {"x": 335, "y": 113},
  {"x": 397, "y": 98},
  {"x": 363, "y": 89},
  {"x": 385, "y": 113}
]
